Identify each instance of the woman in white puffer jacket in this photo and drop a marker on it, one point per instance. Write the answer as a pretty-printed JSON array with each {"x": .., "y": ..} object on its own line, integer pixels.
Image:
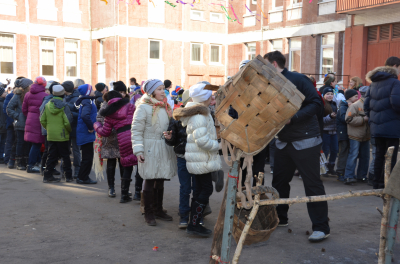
[{"x": 201, "y": 152}]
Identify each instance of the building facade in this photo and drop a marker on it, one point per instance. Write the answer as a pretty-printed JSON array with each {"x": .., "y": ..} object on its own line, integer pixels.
[
  {"x": 99, "y": 42},
  {"x": 373, "y": 30},
  {"x": 310, "y": 34}
]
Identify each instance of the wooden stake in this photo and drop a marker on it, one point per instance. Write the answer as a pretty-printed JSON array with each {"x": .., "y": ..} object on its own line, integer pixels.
[
  {"x": 391, "y": 233},
  {"x": 321, "y": 198},
  {"x": 386, "y": 207}
]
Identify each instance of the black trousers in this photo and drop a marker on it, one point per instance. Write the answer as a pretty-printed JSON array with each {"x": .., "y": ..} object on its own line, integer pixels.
[
  {"x": 111, "y": 166},
  {"x": 307, "y": 162},
  {"x": 258, "y": 165},
  {"x": 55, "y": 150},
  {"x": 87, "y": 161},
  {"x": 382, "y": 145},
  {"x": 138, "y": 181},
  {"x": 204, "y": 188}
]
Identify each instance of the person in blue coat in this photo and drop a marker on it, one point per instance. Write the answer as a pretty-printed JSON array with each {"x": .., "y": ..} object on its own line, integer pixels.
[
  {"x": 85, "y": 135},
  {"x": 9, "y": 152},
  {"x": 71, "y": 96},
  {"x": 382, "y": 106}
]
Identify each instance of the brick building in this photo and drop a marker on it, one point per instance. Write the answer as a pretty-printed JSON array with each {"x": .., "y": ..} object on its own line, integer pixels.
[
  {"x": 372, "y": 34},
  {"x": 103, "y": 42},
  {"x": 310, "y": 34}
]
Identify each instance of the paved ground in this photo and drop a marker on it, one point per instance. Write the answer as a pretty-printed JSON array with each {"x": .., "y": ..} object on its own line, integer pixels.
[{"x": 70, "y": 223}]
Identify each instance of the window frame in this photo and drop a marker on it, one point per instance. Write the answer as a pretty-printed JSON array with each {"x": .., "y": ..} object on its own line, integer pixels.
[
  {"x": 195, "y": 19},
  {"x": 201, "y": 53},
  {"x": 276, "y": 8},
  {"x": 54, "y": 56},
  {"x": 14, "y": 47},
  {"x": 294, "y": 49},
  {"x": 101, "y": 51},
  {"x": 254, "y": 2},
  {"x": 251, "y": 44},
  {"x": 220, "y": 20},
  {"x": 160, "y": 4},
  {"x": 321, "y": 56},
  {"x": 272, "y": 44},
  {"x": 77, "y": 50},
  {"x": 160, "y": 52},
  {"x": 219, "y": 53}
]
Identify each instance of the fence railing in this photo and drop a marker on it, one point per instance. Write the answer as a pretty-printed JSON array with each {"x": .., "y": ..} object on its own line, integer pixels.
[{"x": 344, "y": 6}]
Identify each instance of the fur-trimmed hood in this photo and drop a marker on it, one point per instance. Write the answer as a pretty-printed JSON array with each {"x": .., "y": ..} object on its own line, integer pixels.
[
  {"x": 191, "y": 109},
  {"x": 113, "y": 106},
  {"x": 18, "y": 90},
  {"x": 381, "y": 73}
]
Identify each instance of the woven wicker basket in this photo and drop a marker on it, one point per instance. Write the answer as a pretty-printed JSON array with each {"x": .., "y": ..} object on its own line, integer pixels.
[
  {"x": 264, "y": 99},
  {"x": 262, "y": 227}
]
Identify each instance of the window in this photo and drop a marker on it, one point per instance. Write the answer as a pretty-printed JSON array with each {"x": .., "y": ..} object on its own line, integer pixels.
[
  {"x": 372, "y": 33},
  {"x": 215, "y": 54},
  {"x": 8, "y": 7},
  {"x": 156, "y": 12},
  {"x": 155, "y": 50},
  {"x": 295, "y": 54},
  {"x": 277, "y": 44},
  {"x": 7, "y": 49},
  {"x": 327, "y": 52},
  {"x": 216, "y": 18},
  {"x": 71, "y": 57},
  {"x": 102, "y": 50},
  {"x": 254, "y": 2},
  {"x": 296, "y": 2},
  {"x": 277, "y": 4},
  {"x": 46, "y": 9},
  {"x": 71, "y": 11},
  {"x": 251, "y": 51},
  {"x": 196, "y": 52},
  {"x": 396, "y": 30},
  {"x": 197, "y": 15},
  {"x": 47, "y": 46}
]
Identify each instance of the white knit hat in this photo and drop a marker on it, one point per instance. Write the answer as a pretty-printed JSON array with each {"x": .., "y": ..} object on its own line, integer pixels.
[{"x": 58, "y": 90}]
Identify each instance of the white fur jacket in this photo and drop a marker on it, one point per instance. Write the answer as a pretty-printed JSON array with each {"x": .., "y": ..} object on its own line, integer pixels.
[{"x": 201, "y": 152}]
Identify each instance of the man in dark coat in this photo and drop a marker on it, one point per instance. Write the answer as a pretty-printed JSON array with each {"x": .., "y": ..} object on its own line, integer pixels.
[
  {"x": 298, "y": 146},
  {"x": 101, "y": 89},
  {"x": 382, "y": 106}
]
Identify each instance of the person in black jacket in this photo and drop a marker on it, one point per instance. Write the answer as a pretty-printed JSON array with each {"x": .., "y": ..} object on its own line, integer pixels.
[
  {"x": 101, "y": 89},
  {"x": 382, "y": 106},
  {"x": 178, "y": 139},
  {"x": 298, "y": 146}
]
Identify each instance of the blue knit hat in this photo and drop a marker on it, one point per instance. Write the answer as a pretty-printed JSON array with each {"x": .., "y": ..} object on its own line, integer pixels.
[{"x": 85, "y": 89}]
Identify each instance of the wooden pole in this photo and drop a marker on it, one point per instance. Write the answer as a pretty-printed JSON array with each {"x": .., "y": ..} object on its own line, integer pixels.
[
  {"x": 386, "y": 207},
  {"x": 391, "y": 230},
  {"x": 229, "y": 211},
  {"x": 321, "y": 198},
  {"x": 218, "y": 229}
]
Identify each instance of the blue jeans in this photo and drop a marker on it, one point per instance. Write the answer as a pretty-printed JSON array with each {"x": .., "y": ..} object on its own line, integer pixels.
[
  {"x": 330, "y": 145},
  {"x": 34, "y": 154},
  {"x": 3, "y": 138},
  {"x": 187, "y": 183},
  {"x": 9, "y": 152},
  {"x": 360, "y": 150}
]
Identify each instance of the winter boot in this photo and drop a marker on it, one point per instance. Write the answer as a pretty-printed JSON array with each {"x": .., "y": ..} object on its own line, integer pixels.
[
  {"x": 156, "y": 201},
  {"x": 159, "y": 212},
  {"x": 371, "y": 179},
  {"x": 125, "y": 183},
  {"x": 207, "y": 210},
  {"x": 20, "y": 163},
  {"x": 148, "y": 208},
  {"x": 331, "y": 169},
  {"x": 136, "y": 197},
  {"x": 26, "y": 162},
  {"x": 11, "y": 164},
  {"x": 340, "y": 177},
  {"x": 194, "y": 227},
  {"x": 111, "y": 191},
  {"x": 33, "y": 169},
  {"x": 49, "y": 178}
]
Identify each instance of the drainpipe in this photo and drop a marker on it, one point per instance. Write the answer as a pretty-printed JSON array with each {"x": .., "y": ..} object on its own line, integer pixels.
[
  {"x": 116, "y": 49},
  {"x": 90, "y": 42},
  {"x": 28, "y": 39},
  {"x": 226, "y": 46},
  {"x": 262, "y": 29},
  {"x": 183, "y": 74}
]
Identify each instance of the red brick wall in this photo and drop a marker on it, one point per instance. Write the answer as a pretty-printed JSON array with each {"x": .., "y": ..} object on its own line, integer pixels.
[
  {"x": 84, "y": 63},
  {"x": 22, "y": 55},
  {"x": 35, "y": 59},
  {"x": 60, "y": 66}
]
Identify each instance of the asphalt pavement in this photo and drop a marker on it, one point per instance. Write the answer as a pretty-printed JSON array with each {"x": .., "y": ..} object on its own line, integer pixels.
[{"x": 71, "y": 223}]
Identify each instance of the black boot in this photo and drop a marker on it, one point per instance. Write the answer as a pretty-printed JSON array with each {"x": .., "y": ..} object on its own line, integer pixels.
[
  {"x": 125, "y": 183},
  {"x": 194, "y": 227},
  {"x": 159, "y": 212},
  {"x": 149, "y": 217},
  {"x": 111, "y": 191},
  {"x": 20, "y": 163},
  {"x": 49, "y": 178},
  {"x": 11, "y": 164},
  {"x": 136, "y": 197},
  {"x": 26, "y": 162},
  {"x": 371, "y": 179},
  {"x": 331, "y": 169}
]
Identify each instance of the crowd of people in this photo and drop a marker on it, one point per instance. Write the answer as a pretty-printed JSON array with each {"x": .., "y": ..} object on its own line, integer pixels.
[{"x": 163, "y": 135}]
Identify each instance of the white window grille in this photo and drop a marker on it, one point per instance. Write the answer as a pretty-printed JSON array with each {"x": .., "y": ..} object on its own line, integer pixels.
[
  {"x": 295, "y": 55},
  {"x": 215, "y": 54},
  {"x": 196, "y": 53},
  {"x": 155, "y": 50},
  {"x": 71, "y": 58},
  {"x": 48, "y": 50},
  {"x": 277, "y": 44},
  {"x": 197, "y": 15},
  {"x": 216, "y": 18},
  {"x": 327, "y": 53},
  {"x": 251, "y": 51},
  {"x": 7, "y": 54}
]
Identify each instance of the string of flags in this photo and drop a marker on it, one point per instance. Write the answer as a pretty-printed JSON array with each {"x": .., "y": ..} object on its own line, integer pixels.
[{"x": 198, "y": 2}]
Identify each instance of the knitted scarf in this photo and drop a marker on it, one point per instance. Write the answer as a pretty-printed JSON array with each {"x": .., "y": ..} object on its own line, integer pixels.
[{"x": 157, "y": 105}]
